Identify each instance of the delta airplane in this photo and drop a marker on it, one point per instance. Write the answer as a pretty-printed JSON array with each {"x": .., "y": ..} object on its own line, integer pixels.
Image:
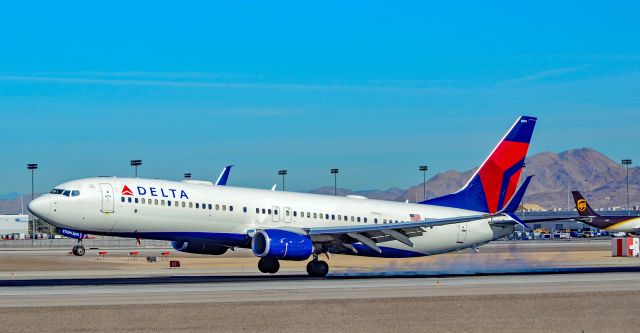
[
  {"x": 206, "y": 219},
  {"x": 611, "y": 223}
]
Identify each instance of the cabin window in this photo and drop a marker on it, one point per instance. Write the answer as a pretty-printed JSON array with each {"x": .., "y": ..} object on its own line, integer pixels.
[
  {"x": 264, "y": 211},
  {"x": 177, "y": 203},
  {"x": 136, "y": 200},
  {"x": 244, "y": 209},
  {"x": 183, "y": 204},
  {"x": 339, "y": 217},
  {"x": 269, "y": 211},
  {"x": 257, "y": 210},
  {"x": 358, "y": 218},
  {"x": 384, "y": 221},
  {"x": 352, "y": 219},
  {"x": 217, "y": 207},
  {"x": 375, "y": 220},
  {"x": 155, "y": 202},
  {"x": 142, "y": 201},
  {"x": 162, "y": 202},
  {"x": 210, "y": 206},
  {"x": 224, "y": 208},
  {"x": 326, "y": 216},
  {"x": 309, "y": 214},
  {"x": 197, "y": 205},
  {"x": 287, "y": 213},
  {"x": 231, "y": 208},
  {"x": 190, "y": 204},
  {"x": 168, "y": 202},
  {"x": 365, "y": 220},
  {"x": 321, "y": 216},
  {"x": 295, "y": 213},
  {"x": 122, "y": 199},
  {"x": 204, "y": 206},
  {"x": 275, "y": 212}
]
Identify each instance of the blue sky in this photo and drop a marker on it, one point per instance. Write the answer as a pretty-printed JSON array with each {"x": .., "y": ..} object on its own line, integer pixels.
[{"x": 374, "y": 88}]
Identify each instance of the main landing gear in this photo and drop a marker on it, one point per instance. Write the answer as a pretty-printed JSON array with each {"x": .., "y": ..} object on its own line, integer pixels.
[
  {"x": 268, "y": 265},
  {"x": 78, "y": 250},
  {"x": 317, "y": 268}
]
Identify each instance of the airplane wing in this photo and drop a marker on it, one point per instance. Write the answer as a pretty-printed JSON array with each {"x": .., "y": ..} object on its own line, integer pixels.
[{"x": 370, "y": 235}]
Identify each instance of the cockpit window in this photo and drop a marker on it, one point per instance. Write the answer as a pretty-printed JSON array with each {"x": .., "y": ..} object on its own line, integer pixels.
[
  {"x": 75, "y": 193},
  {"x": 66, "y": 192},
  {"x": 56, "y": 191}
]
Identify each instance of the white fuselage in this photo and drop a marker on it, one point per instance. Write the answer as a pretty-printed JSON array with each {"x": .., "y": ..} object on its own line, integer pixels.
[{"x": 169, "y": 210}]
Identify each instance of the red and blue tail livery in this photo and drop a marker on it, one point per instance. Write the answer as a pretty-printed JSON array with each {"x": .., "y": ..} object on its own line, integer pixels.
[{"x": 493, "y": 185}]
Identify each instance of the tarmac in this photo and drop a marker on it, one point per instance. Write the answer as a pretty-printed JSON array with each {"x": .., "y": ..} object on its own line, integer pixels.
[{"x": 551, "y": 286}]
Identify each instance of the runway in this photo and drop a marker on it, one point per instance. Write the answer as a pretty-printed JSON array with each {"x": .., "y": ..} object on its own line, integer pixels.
[{"x": 555, "y": 287}]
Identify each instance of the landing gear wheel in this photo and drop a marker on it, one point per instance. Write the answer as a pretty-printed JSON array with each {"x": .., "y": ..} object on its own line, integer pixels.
[
  {"x": 317, "y": 268},
  {"x": 79, "y": 250},
  {"x": 266, "y": 265}
]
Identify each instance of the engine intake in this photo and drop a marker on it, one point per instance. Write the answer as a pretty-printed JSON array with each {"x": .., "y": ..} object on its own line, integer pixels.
[
  {"x": 199, "y": 247},
  {"x": 281, "y": 244}
]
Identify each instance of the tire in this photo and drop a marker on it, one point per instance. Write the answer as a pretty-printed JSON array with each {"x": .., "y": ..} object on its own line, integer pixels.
[
  {"x": 74, "y": 250},
  {"x": 262, "y": 266},
  {"x": 317, "y": 268},
  {"x": 270, "y": 266},
  {"x": 323, "y": 268},
  {"x": 80, "y": 251}
]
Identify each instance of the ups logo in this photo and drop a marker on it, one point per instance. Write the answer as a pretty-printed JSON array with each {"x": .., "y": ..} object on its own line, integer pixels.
[{"x": 582, "y": 205}]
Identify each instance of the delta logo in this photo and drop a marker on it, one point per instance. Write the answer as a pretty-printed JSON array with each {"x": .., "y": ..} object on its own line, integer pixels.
[
  {"x": 156, "y": 192},
  {"x": 126, "y": 190}
]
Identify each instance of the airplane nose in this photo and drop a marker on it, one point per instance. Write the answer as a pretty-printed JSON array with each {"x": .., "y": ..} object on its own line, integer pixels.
[{"x": 40, "y": 207}]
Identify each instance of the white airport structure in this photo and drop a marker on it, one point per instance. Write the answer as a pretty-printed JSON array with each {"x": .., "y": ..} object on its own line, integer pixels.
[{"x": 14, "y": 226}]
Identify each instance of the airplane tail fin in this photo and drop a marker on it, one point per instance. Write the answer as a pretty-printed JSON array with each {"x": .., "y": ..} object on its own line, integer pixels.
[
  {"x": 583, "y": 207},
  {"x": 493, "y": 185}
]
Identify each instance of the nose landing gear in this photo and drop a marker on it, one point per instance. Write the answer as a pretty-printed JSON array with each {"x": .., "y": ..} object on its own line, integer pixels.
[{"x": 78, "y": 250}]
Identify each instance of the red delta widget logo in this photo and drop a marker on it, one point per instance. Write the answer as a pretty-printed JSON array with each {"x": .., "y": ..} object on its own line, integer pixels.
[{"x": 156, "y": 192}]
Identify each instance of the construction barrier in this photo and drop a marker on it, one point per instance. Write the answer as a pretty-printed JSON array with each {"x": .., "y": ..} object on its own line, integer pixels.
[{"x": 625, "y": 247}]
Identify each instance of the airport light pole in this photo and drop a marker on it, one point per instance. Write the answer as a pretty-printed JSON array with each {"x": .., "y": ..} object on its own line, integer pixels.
[
  {"x": 34, "y": 227},
  {"x": 335, "y": 172},
  {"x": 282, "y": 173},
  {"x": 136, "y": 164},
  {"x": 424, "y": 169},
  {"x": 187, "y": 175},
  {"x": 626, "y": 163}
]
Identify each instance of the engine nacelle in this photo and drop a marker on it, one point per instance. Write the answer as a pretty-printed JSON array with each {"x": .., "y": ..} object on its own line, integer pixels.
[
  {"x": 199, "y": 247},
  {"x": 281, "y": 244}
]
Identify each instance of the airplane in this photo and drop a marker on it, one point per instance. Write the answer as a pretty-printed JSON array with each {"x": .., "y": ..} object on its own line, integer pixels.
[
  {"x": 277, "y": 226},
  {"x": 610, "y": 223}
]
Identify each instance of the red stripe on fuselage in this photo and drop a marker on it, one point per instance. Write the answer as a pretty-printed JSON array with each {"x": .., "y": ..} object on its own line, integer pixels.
[{"x": 491, "y": 173}]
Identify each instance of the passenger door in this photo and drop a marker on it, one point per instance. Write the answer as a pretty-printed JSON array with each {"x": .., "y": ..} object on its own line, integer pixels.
[{"x": 107, "y": 197}]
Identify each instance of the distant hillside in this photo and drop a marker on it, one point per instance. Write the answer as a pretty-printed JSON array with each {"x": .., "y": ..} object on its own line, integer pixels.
[{"x": 600, "y": 178}]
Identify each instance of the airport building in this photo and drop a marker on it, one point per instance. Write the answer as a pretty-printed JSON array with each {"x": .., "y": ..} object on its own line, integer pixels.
[{"x": 14, "y": 226}]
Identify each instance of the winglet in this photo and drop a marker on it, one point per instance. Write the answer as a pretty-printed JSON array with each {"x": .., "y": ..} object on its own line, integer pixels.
[{"x": 224, "y": 176}]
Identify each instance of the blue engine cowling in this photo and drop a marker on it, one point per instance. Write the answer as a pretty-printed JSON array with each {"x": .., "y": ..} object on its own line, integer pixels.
[
  {"x": 199, "y": 247},
  {"x": 281, "y": 244}
]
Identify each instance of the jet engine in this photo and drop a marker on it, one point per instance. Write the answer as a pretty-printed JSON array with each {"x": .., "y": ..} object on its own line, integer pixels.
[
  {"x": 199, "y": 247},
  {"x": 281, "y": 244}
]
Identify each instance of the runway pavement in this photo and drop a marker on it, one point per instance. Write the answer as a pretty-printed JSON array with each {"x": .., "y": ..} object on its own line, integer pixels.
[{"x": 508, "y": 287}]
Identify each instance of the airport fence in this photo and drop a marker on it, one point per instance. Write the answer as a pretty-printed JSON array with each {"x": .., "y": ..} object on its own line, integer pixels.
[{"x": 88, "y": 243}]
